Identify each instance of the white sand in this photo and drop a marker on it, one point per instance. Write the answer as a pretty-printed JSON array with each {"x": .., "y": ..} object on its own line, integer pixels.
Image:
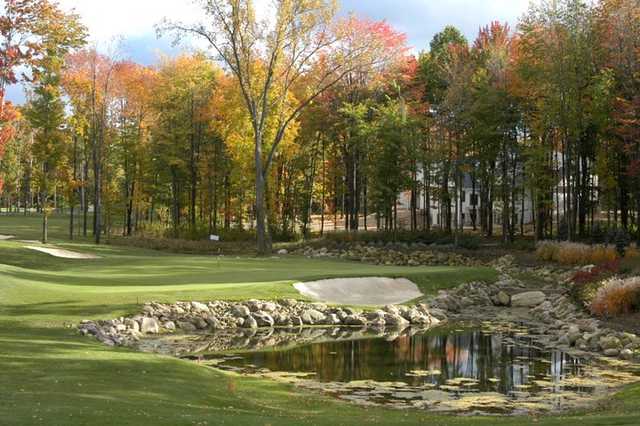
[
  {"x": 361, "y": 291},
  {"x": 66, "y": 254},
  {"x": 6, "y": 237}
]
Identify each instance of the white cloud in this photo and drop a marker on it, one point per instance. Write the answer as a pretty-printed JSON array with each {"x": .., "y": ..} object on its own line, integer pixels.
[
  {"x": 109, "y": 19},
  {"x": 129, "y": 18},
  {"x": 134, "y": 20}
]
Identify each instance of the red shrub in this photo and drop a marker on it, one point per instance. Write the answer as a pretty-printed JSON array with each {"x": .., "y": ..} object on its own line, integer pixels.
[{"x": 596, "y": 273}]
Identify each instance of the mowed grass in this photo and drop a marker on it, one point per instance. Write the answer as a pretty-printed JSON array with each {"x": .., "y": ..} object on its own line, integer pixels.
[{"x": 50, "y": 375}]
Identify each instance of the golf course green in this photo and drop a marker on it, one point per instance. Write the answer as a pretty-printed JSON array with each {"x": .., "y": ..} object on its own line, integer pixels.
[{"x": 51, "y": 375}]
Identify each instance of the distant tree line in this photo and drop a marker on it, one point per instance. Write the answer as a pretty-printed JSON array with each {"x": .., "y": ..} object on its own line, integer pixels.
[{"x": 313, "y": 120}]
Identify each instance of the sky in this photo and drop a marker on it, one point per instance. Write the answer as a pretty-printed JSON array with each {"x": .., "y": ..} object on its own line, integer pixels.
[{"x": 128, "y": 25}]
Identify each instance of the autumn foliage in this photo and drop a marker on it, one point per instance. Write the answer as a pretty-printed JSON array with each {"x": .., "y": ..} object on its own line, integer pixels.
[{"x": 616, "y": 297}]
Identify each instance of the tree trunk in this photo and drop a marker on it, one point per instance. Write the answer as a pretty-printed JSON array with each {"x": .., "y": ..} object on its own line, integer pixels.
[{"x": 262, "y": 233}]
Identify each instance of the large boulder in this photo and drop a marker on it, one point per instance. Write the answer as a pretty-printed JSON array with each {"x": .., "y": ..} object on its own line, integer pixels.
[
  {"x": 355, "y": 320},
  {"x": 501, "y": 299},
  {"x": 200, "y": 323},
  {"x": 263, "y": 319},
  {"x": 609, "y": 342},
  {"x": 131, "y": 324},
  {"x": 200, "y": 307},
  {"x": 270, "y": 307},
  {"x": 574, "y": 334},
  {"x": 149, "y": 326},
  {"x": 186, "y": 326},
  {"x": 311, "y": 317},
  {"x": 240, "y": 311},
  {"x": 250, "y": 322},
  {"x": 396, "y": 320},
  {"x": 213, "y": 322},
  {"x": 528, "y": 299}
]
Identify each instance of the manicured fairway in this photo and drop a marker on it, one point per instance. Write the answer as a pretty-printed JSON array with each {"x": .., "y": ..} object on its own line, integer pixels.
[{"x": 50, "y": 375}]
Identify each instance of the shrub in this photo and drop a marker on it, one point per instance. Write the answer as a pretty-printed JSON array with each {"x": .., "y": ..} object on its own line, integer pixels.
[
  {"x": 567, "y": 253},
  {"x": 438, "y": 237},
  {"x": 596, "y": 273},
  {"x": 185, "y": 246},
  {"x": 617, "y": 297},
  {"x": 585, "y": 283},
  {"x": 632, "y": 253}
]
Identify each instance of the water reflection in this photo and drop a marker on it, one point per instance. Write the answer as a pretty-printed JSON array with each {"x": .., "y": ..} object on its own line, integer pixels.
[
  {"x": 496, "y": 370},
  {"x": 492, "y": 362}
]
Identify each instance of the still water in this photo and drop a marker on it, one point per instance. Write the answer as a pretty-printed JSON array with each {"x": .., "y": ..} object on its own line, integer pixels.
[
  {"x": 490, "y": 362},
  {"x": 479, "y": 370}
]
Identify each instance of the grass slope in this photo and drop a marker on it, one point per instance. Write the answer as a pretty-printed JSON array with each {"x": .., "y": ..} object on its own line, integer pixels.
[{"x": 50, "y": 375}]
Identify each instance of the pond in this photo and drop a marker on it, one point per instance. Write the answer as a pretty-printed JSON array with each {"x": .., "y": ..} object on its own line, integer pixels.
[{"x": 496, "y": 370}]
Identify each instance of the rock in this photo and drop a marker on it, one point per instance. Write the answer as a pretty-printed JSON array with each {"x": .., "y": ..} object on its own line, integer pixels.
[
  {"x": 254, "y": 305},
  {"x": 200, "y": 324},
  {"x": 564, "y": 340},
  {"x": 263, "y": 319},
  {"x": 186, "y": 326},
  {"x": 200, "y": 307},
  {"x": 311, "y": 317},
  {"x": 611, "y": 352},
  {"x": 332, "y": 319},
  {"x": 103, "y": 338},
  {"x": 131, "y": 324},
  {"x": 609, "y": 342},
  {"x": 528, "y": 299},
  {"x": 250, "y": 322},
  {"x": 355, "y": 320},
  {"x": 283, "y": 252},
  {"x": 269, "y": 307},
  {"x": 240, "y": 311},
  {"x": 371, "y": 316},
  {"x": 438, "y": 313},
  {"x": 148, "y": 309},
  {"x": 501, "y": 299},
  {"x": 396, "y": 320},
  {"x": 149, "y": 326},
  {"x": 392, "y": 309},
  {"x": 377, "y": 323},
  {"x": 281, "y": 319},
  {"x": 89, "y": 328},
  {"x": 213, "y": 322},
  {"x": 414, "y": 316},
  {"x": 573, "y": 334},
  {"x": 170, "y": 325},
  {"x": 626, "y": 354}
]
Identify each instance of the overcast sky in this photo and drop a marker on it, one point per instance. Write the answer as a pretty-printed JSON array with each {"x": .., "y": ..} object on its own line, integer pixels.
[{"x": 133, "y": 21}]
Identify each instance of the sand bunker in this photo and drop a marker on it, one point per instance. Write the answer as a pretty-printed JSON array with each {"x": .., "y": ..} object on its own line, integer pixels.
[
  {"x": 361, "y": 291},
  {"x": 66, "y": 254},
  {"x": 6, "y": 237}
]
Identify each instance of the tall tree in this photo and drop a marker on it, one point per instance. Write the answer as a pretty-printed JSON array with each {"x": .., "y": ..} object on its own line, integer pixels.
[
  {"x": 46, "y": 112},
  {"x": 21, "y": 42},
  {"x": 272, "y": 58}
]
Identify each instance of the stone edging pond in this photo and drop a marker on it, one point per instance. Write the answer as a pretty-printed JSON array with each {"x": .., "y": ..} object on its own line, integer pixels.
[{"x": 188, "y": 317}]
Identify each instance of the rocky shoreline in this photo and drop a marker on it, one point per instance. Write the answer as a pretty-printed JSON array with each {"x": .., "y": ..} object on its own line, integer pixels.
[
  {"x": 191, "y": 317},
  {"x": 546, "y": 309},
  {"x": 389, "y": 254}
]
